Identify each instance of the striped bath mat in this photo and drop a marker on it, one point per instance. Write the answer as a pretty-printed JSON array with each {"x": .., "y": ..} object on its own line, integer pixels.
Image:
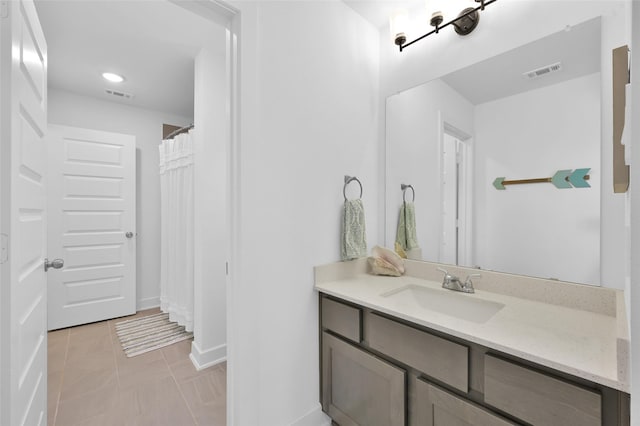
[{"x": 144, "y": 334}]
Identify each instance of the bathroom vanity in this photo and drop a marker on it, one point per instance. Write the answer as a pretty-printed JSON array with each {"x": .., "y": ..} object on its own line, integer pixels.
[{"x": 521, "y": 350}]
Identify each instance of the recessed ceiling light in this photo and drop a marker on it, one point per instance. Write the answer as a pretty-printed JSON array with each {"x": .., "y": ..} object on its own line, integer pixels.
[{"x": 114, "y": 78}]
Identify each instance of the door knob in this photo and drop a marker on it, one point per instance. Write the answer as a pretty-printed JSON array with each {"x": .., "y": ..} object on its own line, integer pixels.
[
  {"x": 55, "y": 264},
  {"x": 129, "y": 234}
]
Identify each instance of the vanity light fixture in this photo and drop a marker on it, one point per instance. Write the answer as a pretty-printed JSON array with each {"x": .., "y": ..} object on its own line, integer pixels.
[
  {"x": 114, "y": 78},
  {"x": 464, "y": 24}
]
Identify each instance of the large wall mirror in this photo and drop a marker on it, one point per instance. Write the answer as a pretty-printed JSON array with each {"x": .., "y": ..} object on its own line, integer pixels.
[{"x": 526, "y": 113}]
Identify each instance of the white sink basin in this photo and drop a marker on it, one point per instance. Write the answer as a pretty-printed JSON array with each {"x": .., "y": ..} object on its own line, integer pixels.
[{"x": 459, "y": 305}]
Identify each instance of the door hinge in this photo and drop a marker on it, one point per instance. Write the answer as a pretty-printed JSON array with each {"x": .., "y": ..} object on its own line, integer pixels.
[
  {"x": 226, "y": 267},
  {"x": 4, "y": 248},
  {"x": 4, "y": 9}
]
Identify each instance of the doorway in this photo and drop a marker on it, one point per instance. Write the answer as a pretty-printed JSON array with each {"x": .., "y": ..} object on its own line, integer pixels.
[
  {"x": 456, "y": 159},
  {"x": 9, "y": 354},
  {"x": 449, "y": 179},
  {"x": 154, "y": 83}
]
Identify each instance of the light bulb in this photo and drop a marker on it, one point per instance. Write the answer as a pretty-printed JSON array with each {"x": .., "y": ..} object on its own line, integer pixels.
[
  {"x": 114, "y": 78},
  {"x": 399, "y": 23},
  {"x": 436, "y": 8}
]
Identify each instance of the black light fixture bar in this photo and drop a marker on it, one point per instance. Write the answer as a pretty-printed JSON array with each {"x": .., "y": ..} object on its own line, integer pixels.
[{"x": 470, "y": 11}]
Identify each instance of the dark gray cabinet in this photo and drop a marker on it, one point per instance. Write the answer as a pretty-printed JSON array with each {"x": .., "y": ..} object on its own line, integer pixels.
[
  {"x": 437, "y": 407},
  {"x": 381, "y": 370},
  {"x": 360, "y": 389}
]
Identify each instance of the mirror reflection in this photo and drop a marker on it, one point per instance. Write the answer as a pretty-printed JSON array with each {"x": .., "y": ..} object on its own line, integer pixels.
[{"x": 524, "y": 114}]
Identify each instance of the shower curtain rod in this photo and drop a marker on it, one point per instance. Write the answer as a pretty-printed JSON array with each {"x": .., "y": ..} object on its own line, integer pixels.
[{"x": 180, "y": 130}]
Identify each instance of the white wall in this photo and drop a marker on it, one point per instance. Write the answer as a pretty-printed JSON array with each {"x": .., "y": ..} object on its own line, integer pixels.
[
  {"x": 211, "y": 226},
  {"x": 413, "y": 124},
  {"x": 81, "y": 111},
  {"x": 309, "y": 114},
  {"x": 634, "y": 188},
  {"x": 309, "y": 96},
  {"x": 538, "y": 229},
  {"x": 504, "y": 26}
]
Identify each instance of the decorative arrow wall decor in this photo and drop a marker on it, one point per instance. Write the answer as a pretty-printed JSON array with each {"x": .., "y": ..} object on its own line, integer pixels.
[{"x": 562, "y": 179}]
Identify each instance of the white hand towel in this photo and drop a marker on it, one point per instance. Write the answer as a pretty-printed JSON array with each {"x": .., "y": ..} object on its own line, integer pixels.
[
  {"x": 354, "y": 243},
  {"x": 406, "y": 235}
]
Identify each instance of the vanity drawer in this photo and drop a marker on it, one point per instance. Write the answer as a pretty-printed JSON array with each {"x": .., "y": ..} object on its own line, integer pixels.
[
  {"x": 537, "y": 398},
  {"x": 439, "y": 358},
  {"x": 436, "y": 407},
  {"x": 342, "y": 319}
]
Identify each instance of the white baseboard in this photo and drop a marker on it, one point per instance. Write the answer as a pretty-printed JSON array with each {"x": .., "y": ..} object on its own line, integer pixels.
[
  {"x": 207, "y": 358},
  {"x": 315, "y": 417},
  {"x": 147, "y": 303}
]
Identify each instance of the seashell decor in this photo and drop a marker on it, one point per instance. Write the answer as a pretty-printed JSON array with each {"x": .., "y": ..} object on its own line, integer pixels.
[{"x": 385, "y": 262}]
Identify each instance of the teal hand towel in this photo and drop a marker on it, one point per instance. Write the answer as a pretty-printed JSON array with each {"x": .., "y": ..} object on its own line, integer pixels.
[
  {"x": 406, "y": 236},
  {"x": 354, "y": 243}
]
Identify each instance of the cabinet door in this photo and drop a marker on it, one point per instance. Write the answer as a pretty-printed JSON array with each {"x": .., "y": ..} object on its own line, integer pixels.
[
  {"x": 359, "y": 388},
  {"x": 537, "y": 398},
  {"x": 437, "y": 407}
]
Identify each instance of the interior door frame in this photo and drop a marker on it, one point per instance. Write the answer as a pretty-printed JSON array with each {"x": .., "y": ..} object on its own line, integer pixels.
[
  {"x": 229, "y": 17},
  {"x": 5, "y": 134}
]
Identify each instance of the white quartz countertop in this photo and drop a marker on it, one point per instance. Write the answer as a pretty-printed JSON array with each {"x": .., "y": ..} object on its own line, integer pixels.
[{"x": 580, "y": 342}]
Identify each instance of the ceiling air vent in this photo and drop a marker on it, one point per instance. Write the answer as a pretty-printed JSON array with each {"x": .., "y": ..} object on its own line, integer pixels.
[
  {"x": 118, "y": 94},
  {"x": 543, "y": 71}
]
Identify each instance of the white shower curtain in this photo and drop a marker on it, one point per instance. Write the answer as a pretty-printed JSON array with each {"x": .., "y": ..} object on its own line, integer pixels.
[{"x": 176, "y": 247}]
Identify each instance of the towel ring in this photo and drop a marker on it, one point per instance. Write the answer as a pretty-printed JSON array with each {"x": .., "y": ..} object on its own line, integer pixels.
[
  {"x": 404, "y": 190},
  {"x": 347, "y": 181}
]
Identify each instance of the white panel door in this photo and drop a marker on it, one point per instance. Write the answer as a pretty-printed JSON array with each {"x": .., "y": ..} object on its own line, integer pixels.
[
  {"x": 449, "y": 182},
  {"x": 23, "y": 293},
  {"x": 91, "y": 205}
]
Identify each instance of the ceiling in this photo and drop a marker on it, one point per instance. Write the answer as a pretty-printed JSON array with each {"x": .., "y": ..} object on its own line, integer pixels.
[
  {"x": 147, "y": 41},
  {"x": 378, "y": 12},
  {"x": 152, "y": 43},
  {"x": 577, "y": 49}
]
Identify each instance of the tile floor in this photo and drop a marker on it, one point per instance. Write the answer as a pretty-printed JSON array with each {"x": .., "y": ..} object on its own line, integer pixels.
[{"x": 92, "y": 382}]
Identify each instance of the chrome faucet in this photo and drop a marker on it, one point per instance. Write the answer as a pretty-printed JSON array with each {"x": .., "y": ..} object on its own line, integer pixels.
[{"x": 451, "y": 282}]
